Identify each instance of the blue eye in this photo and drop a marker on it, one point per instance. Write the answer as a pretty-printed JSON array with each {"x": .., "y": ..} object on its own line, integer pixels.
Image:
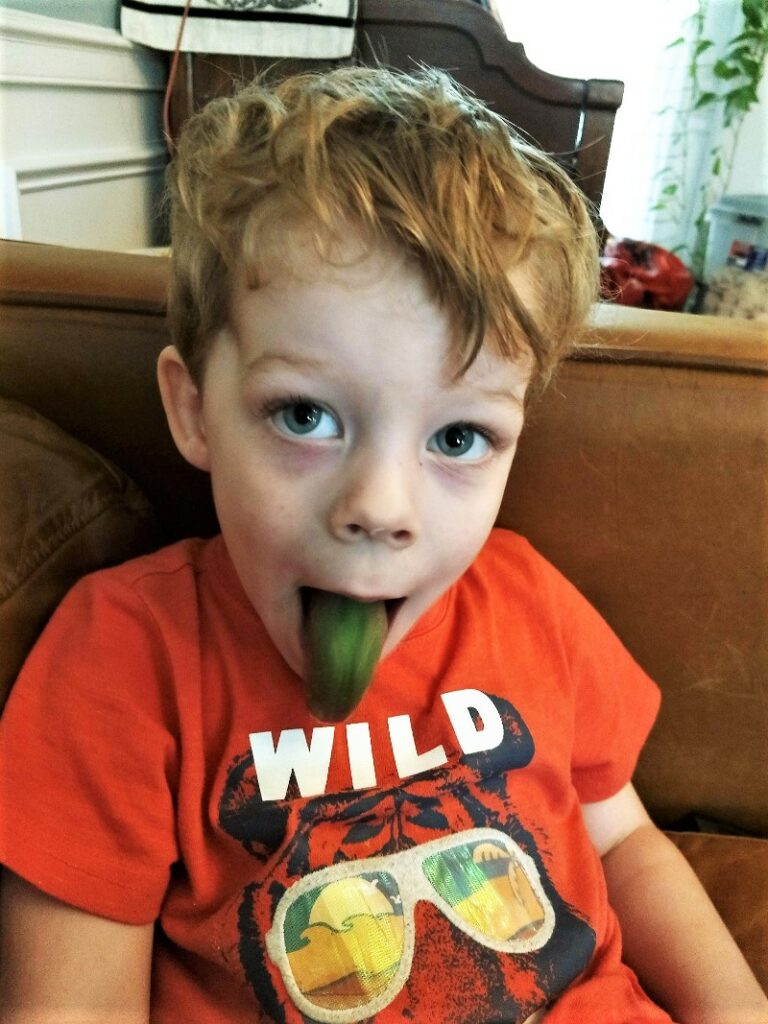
[
  {"x": 460, "y": 441},
  {"x": 306, "y": 419}
]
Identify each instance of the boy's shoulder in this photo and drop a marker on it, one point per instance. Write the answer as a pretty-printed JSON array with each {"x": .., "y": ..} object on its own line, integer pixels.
[
  {"x": 509, "y": 564},
  {"x": 167, "y": 567},
  {"x": 168, "y": 559},
  {"x": 504, "y": 542},
  {"x": 151, "y": 595},
  {"x": 506, "y": 550}
]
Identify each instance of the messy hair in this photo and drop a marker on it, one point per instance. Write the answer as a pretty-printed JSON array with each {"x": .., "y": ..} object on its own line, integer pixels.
[{"x": 412, "y": 160}]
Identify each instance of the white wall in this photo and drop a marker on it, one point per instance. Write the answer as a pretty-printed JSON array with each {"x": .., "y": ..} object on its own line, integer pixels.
[
  {"x": 95, "y": 12},
  {"x": 750, "y": 167},
  {"x": 80, "y": 134},
  {"x": 617, "y": 39}
]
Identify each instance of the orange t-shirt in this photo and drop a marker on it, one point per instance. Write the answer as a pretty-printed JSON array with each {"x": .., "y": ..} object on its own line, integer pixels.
[{"x": 424, "y": 861}]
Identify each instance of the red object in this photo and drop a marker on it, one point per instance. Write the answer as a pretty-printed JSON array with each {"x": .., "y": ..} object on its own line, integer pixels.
[{"x": 641, "y": 274}]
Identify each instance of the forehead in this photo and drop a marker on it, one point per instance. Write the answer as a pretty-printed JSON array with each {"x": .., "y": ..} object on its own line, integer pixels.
[
  {"x": 318, "y": 280},
  {"x": 301, "y": 254}
]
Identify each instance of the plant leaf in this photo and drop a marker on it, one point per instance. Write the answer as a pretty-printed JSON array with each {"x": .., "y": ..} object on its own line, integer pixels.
[
  {"x": 753, "y": 12},
  {"x": 741, "y": 98},
  {"x": 725, "y": 71},
  {"x": 705, "y": 99},
  {"x": 751, "y": 68}
]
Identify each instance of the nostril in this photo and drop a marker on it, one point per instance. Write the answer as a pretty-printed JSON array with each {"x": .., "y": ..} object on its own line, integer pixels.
[{"x": 396, "y": 537}]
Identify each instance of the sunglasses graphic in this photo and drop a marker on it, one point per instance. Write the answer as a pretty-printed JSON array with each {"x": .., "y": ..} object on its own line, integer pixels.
[{"x": 343, "y": 937}]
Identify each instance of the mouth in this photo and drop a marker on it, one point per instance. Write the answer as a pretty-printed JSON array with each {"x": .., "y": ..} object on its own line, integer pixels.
[
  {"x": 343, "y": 638},
  {"x": 392, "y": 605}
]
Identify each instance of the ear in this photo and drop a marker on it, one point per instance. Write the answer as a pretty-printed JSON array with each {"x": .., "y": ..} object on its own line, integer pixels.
[{"x": 183, "y": 404}]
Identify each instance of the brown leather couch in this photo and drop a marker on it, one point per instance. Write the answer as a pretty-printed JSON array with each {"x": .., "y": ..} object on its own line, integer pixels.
[{"x": 642, "y": 474}]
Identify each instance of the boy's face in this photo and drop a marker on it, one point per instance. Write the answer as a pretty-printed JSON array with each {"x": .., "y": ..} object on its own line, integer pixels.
[{"x": 342, "y": 455}]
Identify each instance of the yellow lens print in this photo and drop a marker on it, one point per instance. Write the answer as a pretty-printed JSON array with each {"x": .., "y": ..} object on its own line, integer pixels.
[
  {"x": 488, "y": 889},
  {"x": 343, "y": 937},
  {"x": 344, "y": 940}
]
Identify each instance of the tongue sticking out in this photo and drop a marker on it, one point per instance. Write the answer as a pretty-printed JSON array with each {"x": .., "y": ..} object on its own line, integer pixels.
[{"x": 343, "y": 642}]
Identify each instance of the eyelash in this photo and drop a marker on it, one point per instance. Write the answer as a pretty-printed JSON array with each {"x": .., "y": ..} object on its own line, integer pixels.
[
  {"x": 489, "y": 435},
  {"x": 495, "y": 444},
  {"x": 274, "y": 405}
]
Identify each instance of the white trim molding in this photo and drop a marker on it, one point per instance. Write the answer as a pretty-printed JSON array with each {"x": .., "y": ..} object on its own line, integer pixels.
[
  {"x": 81, "y": 126},
  {"x": 43, "y": 52},
  {"x": 83, "y": 171}
]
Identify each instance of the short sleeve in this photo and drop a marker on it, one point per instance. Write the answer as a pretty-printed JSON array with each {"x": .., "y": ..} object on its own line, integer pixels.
[
  {"x": 88, "y": 756},
  {"x": 615, "y": 703}
]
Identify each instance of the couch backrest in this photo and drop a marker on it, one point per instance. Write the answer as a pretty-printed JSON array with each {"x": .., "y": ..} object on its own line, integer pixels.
[{"x": 641, "y": 474}]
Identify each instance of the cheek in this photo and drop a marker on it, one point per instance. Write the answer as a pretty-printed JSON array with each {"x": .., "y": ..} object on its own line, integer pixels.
[
  {"x": 462, "y": 516},
  {"x": 266, "y": 512},
  {"x": 246, "y": 494},
  {"x": 464, "y": 544},
  {"x": 469, "y": 499},
  {"x": 255, "y": 507},
  {"x": 456, "y": 534}
]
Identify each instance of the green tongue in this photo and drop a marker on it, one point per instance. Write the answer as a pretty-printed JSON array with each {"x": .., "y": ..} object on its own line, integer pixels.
[{"x": 343, "y": 639}]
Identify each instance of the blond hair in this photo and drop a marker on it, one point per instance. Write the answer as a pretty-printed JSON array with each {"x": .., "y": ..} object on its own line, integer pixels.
[{"x": 412, "y": 160}]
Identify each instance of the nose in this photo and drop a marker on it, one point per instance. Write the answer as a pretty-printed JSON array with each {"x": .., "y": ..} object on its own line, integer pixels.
[{"x": 376, "y": 502}]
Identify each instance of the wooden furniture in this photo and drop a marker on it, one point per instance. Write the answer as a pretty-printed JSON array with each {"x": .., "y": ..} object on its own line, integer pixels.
[{"x": 570, "y": 118}]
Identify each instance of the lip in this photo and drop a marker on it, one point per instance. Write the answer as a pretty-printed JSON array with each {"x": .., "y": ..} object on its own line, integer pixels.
[{"x": 392, "y": 604}]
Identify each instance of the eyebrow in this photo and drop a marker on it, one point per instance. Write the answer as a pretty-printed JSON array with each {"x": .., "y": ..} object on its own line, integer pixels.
[
  {"x": 504, "y": 396},
  {"x": 265, "y": 362},
  {"x": 500, "y": 395}
]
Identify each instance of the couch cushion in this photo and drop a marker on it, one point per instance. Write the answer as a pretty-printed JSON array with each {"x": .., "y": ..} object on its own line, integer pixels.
[
  {"x": 734, "y": 871},
  {"x": 64, "y": 511}
]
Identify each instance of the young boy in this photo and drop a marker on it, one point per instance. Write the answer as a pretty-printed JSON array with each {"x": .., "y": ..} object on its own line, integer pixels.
[{"x": 203, "y": 784}]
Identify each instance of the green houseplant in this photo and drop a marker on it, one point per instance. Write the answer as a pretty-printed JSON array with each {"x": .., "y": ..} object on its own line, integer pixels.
[{"x": 722, "y": 80}]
